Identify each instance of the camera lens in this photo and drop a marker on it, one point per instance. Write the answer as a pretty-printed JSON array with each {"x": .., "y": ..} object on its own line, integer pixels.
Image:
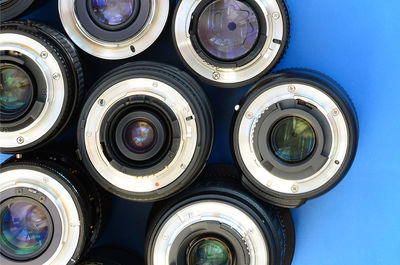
[
  {"x": 152, "y": 128},
  {"x": 40, "y": 84},
  {"x": 48, "y": 213},
  {"x": 113, "y": 29},
  {"x": 25, "y": 227},
  {"x": 294, "y": 136},
  {"x": 230, "y": 43},
  {"x": 292, "y": 139},
  {"x": 216, "y": 222},
  {"x": 112, "y": 12},
  {"x": 209, "y": 251},
  {"x": 228, "y": 29},
  {"x": 16, "y": 91},
  {"x": 10, "y": 9}
]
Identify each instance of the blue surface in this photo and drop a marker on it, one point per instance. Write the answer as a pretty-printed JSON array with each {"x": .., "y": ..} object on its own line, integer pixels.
[{"x": 357, "y": 43}]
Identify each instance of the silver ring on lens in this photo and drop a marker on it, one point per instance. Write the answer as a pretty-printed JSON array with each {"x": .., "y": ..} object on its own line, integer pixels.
[
  {"x": 294, "y": 102},
  {"x": 202, "y": 31},
  {"x": 145, "y": 137},
  {"x": 51, "y": 65},
  {"x": 108, "y": 43}
]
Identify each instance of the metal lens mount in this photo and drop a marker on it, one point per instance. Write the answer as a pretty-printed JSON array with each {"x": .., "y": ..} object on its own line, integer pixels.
[
  {"x": 143, "y": 27},
  {"x": 268, "y": 26},
  {"x": 53, "y": 67},
  {"x": 179, "y": 112},
  {"x": 72, "y": 207},
  {"x": 217, "y": 209},
  {"x": 324, "y": 108}
]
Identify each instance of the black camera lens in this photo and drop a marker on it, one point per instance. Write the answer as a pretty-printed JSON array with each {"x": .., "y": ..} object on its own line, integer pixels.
[
  {"x": 111, "y": 255},
  {"x": 49, "y": 210},
  {"x": 294, "y": 136},
  {"x": 16, "y": 89},
  {"x": 292, "y": 139},
  {"x": 217, "y": 222},
  {"x": 230, "y": 43},
  {"x": 40, "y": 84},
  {"x": 10, "y": 9},
  {"x": 228, "y": 29},
  {"x": 113, "y": 29},
  {"x": 152, "y": 129}
]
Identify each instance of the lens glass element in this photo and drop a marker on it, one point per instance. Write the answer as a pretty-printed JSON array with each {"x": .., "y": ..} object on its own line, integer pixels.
[
  {"x": 112, "y": 12},
  {"x": 24, "y": 227},
  {"x": 210, "y": 251},
  {"x": 228, "y": 29},
  {"x": 139, "y": 136},
  {"x": 293, "y": 139},
  {"x": 16, "y": 89}
]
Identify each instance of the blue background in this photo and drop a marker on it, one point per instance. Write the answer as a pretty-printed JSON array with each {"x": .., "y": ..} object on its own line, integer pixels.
[{"x": 357, "y": 43}]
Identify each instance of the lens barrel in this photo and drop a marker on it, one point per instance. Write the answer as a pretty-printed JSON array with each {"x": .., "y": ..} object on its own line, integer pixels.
[
  {"x": 50, "y": 210},
  {"x": 145, "y": 131},
  {"x": 113, "y": 29},
  {"x": 216, "y": 222},
  {"x": 230, "y": 43},
  {"x": 294, "y": 136},
  {"x": 10, "y": 9},
  {"x": 41, "y": 83}
]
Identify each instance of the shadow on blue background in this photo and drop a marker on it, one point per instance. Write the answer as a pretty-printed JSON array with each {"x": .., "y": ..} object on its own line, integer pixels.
[{"x": 357, "y": 43}]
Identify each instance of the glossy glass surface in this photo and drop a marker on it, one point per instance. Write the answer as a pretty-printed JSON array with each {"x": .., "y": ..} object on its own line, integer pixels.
[
  {"x": 210, "y": 251},
  {"x": 24, "y": 228},
  {"x": 16, "y": 89},
  {"x": 139, "y": 136},
  {"x": 293, "y": 139},
  {"x": 112, "y": 12},
  {"x": 228, "y": 29}
]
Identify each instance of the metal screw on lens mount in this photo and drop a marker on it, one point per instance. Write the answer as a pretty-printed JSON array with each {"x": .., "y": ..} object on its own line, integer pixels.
[
  {"x": 291, "y": 88},
  {"x": 216, "y": 75},
  {"x": 18, "y": 191},
  {"x": 276, "y": 15},
  {"x": 249, "y": 115},
  {"x": 56, "y": 76},
  {"x": 295, "y": 188},
  {"x": 20, "y": 140},
  {"x": 335, "y": 112},
  {"x": 42, "y": 199},
  {"x": 102, "y": 102},
  {"x": 44, "y": 55}
]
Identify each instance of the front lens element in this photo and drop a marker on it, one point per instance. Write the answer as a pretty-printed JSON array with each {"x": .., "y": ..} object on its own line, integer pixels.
[
  {"x": 228, "y": 29},
  {"x": 24, "y": 227},
  {"x": 210, "y": 251},
  {"x": 16, "y": 89},
  {"x": 139, "y": 136},
  {"x": 112, "y": 12},
  {"x": 293, "y": 139}
]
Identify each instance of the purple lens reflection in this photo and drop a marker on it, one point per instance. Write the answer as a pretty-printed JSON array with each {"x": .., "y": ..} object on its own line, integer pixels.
[
  {"x": 228, "y": 29},
  {"x": 112, "y": 12},
  {"x": 140, "y": 136},
  {"x": 24, "y": 227}
]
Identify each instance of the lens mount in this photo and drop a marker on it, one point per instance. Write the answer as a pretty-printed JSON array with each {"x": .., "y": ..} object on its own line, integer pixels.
[
  {"x": 320, "y": 102},
  {"x": 216, "y": 208},
  {"x": 45, "y": 188},
  {"x": 270, "y": 20},
  {"x": 163, "y": 96},
  {"x": 121, "y": 41},
  {"x": 53, "y": 66}
]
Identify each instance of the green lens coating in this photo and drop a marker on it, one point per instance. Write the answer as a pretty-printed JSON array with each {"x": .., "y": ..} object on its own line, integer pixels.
[
  {"x": 209, "y": 251},
  {"x": 293, "y": 139},
  {"x": 16, "y": 90},
  {"x": 24, "y": 227}
]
